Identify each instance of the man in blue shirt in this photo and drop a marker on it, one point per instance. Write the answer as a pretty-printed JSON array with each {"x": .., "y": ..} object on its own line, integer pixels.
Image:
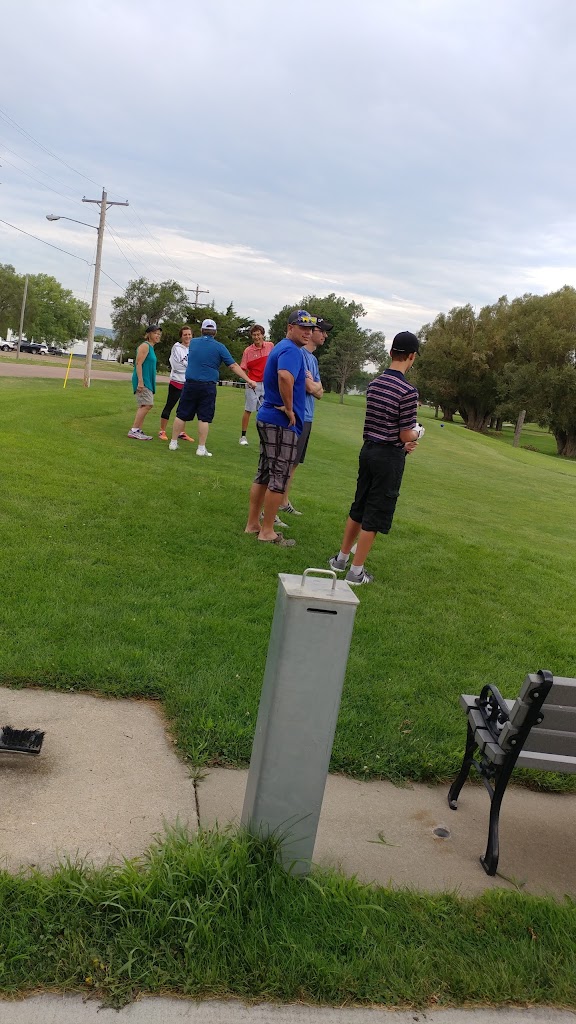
[
  {"x": 279, "y": 422},
  {"x": 314, "y": 392},
  {"x": 199, "y": 393}
]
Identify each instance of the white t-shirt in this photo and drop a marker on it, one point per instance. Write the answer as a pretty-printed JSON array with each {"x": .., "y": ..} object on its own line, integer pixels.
[{"x": 178, "y": 362}]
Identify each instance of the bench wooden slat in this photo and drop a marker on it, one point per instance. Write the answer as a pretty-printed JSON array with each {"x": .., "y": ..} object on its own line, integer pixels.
[
  {"x": 550, "y": 741},
  {"x": 556, "y": 717},
  {"x": 536, "y": 759}
]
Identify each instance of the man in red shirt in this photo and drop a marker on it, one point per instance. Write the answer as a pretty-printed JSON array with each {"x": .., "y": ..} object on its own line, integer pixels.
[{"x": 253, "y": 362}]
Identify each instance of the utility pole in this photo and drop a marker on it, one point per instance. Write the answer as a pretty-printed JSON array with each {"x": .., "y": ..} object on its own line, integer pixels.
[
  {"x": 22, "y": 316},
  {"x": 103, "y": 203},
  {"x": 198, "y": 291}
]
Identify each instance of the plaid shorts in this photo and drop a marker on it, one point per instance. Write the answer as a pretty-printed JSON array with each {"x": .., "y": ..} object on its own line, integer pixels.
[{"x": 277, "y": 456}]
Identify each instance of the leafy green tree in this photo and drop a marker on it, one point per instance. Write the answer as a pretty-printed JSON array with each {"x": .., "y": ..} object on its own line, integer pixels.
[
  {"x": 232, "y": 330},
  {"x": 53, "y": 314},
  {"x": 11, "y": 291},
  {"x": 344, "y": 314},
  {"x": 541, "y": 377},
  {"x": 146, "y": 303},
  {"x": 348, "y": 354}
]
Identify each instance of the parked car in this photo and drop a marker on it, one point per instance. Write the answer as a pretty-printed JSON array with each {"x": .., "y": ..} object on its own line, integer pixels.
[
  {"x": 34, "y": 347},
  {"x": 7, "y": 346},
  {"x": 54, "y": 351}
]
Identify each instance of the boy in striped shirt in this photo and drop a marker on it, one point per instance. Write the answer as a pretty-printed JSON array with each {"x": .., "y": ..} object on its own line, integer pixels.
[{"x": 390, "y": 431}]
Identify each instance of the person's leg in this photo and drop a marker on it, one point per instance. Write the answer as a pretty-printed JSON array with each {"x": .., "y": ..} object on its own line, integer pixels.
[
  {"x": 174, "y": 396},
  {"x": 203, "y": 429},
  {"x": 245, "y": 421},
  {"x": 351, "y": 531},
  {"x": 206, "y": 410},
  {"x": 257, "y": 494},
  {"x": 387, "y": 467},
  {"x": 366, "y": 539},
  {"x": 186, "y": 411},
  {"x": 302, "y": 445},
  {"x": 141, "y": 414},
  {"x": 177, "y": 427},
  {"x": 281, "y": 450}
]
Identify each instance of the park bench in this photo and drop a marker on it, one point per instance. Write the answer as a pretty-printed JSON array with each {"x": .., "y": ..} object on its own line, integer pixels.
[{"x": 537, "y": 730}]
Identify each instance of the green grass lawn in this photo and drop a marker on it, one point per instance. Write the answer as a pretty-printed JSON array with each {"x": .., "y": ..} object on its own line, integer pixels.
[
  {"x": 125, "y": 570},
  {"x": 217, "y": 916}
]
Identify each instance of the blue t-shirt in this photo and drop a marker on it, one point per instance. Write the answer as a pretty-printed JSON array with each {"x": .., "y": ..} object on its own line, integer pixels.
[
  {"x": 310, "y": 363},
  {"x": 204, "y": 357},
  {"x": 284, "y": 356}
]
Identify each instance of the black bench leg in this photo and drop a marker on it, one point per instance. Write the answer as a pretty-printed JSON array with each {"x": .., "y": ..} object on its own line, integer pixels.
[
  {"x": 454, "y": 791},
  {"x": 490, "y": 859}
]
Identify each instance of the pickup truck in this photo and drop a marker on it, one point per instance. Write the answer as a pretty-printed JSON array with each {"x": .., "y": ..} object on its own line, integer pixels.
[
  {"x": 7, "y": 346},
  {"x": 35, "y": 347}
]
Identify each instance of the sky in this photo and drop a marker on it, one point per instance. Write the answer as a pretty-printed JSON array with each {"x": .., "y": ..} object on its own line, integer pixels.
[{"x": 412, "y": 155}]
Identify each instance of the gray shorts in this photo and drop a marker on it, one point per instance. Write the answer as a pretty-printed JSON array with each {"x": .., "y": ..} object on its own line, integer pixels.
[
  {"x": 254, "y": 398},
  {"x": 144, "y": 397}
]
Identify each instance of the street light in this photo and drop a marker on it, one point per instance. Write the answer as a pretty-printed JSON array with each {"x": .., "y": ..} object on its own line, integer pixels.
[{"x": 103, "y": 203}]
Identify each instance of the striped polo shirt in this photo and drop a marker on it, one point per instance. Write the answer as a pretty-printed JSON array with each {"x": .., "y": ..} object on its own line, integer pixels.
[{"x": 391, "y": 406}]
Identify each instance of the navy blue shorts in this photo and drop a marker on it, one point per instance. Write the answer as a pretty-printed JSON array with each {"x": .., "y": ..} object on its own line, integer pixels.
[{"x": 198, "y": 399}]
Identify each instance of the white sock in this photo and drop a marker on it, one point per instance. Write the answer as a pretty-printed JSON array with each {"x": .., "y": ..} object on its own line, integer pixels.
[
  {"x": 201, "y": 447},
  {"x": 357, "y": 569},
  {"x": 343, "y": 557}
]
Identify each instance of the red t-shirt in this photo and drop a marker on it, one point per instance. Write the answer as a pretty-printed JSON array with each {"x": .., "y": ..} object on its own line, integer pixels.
[{"x": 254, "y": 360}]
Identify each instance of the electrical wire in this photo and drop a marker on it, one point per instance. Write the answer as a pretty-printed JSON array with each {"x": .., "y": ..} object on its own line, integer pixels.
[
  {"x": 44, "y": 242},
  {"x": 27, "y": 135},
  {"x": 36, "y": 168},
  {"x": 111, "y": 279},
  {"x": 134, "y": 254},
  {"x": 118, "y": 246},
  {"x": 37, "y": 180}
]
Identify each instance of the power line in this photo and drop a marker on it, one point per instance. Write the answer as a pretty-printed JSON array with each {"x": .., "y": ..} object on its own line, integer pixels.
[
  {"x": 37, "y": 180},
  {"x": 36, "y": 168},
  {"x": 14, "y": 124},
  {"x": 121, "y": 251},
  {"x": 111, "y": 279},
  {"x": 159, "y": 248},
  {"x": 135, "y": 255},
  {"x": 44, "y": 242}
]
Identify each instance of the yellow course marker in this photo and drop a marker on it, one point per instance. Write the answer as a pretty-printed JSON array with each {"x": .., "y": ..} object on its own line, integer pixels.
[{"x": 68, "y": 370}]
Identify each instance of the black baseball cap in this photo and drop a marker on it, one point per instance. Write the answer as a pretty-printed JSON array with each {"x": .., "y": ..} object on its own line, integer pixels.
[
  {"x": 324, "y": 325},
  {"x": 302, "y": 317},
  {"x": 152, "y": 327},
  {"x": 406, "y": 342}
]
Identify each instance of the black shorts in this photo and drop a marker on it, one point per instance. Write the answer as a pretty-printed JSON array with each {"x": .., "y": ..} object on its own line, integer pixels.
[
  {"x": 303, "y": 442},
  {"x": 379, "y": 478},
  {"x": 277, "y": 456},
  {"x": 198, "y": 399}
]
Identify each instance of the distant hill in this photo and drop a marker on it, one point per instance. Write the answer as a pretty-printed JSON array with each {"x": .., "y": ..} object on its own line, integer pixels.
[{"x": 106, "y": 331}]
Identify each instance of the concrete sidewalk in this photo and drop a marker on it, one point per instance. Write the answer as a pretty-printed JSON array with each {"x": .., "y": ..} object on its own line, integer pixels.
[
  {"x": 385, "y": 834},
  {"x": 50, "y": 1009},
  {"x": 108, "y": 779}
]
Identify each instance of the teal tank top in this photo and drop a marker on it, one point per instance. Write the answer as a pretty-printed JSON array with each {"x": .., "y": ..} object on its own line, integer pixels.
[{"x": 148, "y": 371}]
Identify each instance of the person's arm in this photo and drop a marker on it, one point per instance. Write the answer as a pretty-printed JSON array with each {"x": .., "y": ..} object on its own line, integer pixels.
[
  {"x": 408, "y": 413},
  {"x": 140, "y": 357},
  {"x": 313, "y": 387},
  {"x": 244, "y": 376},
  {"x": 286, "y": 388}
]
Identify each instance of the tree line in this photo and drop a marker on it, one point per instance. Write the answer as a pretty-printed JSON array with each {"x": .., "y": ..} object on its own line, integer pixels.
[
  {"x": 510, "y": 360},
  {"x": 342, "y": 358},
  {"x": 52, "y": 313}
]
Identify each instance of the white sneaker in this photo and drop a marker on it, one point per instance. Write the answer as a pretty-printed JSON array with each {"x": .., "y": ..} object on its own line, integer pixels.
[
  {"x": 243, "y": 440},
  {"x": 138, "y": 435},
  {"x": 202, "y": 451},
  {"x": 173, "y": 446}
]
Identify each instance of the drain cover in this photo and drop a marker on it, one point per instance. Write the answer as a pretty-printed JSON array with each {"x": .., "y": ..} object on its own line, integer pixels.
[{"x": 441, "y": 832}]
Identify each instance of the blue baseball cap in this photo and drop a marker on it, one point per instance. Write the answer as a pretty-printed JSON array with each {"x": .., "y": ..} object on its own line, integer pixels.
[{"x": 302, "y": 317}]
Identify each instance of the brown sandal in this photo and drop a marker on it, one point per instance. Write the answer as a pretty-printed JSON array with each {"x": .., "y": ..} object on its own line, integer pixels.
[{"x": 280, "y": 541}]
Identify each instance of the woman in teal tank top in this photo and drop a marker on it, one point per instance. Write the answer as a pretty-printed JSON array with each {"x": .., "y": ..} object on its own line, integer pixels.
[{"x": 144, "y": 381}]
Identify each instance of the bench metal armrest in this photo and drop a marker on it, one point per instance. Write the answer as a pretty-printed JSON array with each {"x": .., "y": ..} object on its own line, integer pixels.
[{"x": 493, "y": 708}]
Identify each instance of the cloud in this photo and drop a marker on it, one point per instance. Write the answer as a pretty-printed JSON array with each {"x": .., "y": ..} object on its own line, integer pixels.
[{"x": 412, "y": 155}]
